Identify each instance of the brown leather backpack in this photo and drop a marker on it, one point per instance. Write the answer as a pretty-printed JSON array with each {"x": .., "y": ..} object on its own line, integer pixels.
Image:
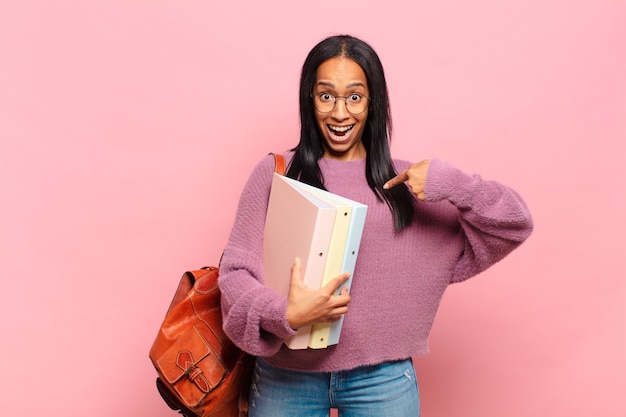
[{"x": 200, "y": 371}]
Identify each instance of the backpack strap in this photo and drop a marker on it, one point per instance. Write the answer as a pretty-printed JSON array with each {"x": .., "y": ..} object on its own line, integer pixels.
[{"x": 280, "y": 163}]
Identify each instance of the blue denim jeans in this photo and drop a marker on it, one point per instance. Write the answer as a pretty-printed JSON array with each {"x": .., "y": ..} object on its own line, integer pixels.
[{"x": 389, "y": 389}]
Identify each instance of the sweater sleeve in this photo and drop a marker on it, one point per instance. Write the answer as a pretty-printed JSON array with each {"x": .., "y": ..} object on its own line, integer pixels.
[
  {"x": 255, "y": 316},
  {"x": 494, "y": 218}
]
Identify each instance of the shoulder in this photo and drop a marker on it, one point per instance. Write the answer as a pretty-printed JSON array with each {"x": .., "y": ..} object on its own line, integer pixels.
[
  {"x": 260, "y": 178},
  {"x": 265, "y": 167}
]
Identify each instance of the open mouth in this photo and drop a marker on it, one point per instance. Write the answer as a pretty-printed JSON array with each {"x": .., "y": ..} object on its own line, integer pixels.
[{"x": 340, "y": 131}]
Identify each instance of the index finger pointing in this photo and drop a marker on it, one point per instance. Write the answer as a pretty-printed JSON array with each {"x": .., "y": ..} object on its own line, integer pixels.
[{"x": 400, "y": 178}]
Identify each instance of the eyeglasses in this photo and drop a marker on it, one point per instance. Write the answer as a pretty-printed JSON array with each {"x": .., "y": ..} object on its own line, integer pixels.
[{"x": 355, "y": 103}]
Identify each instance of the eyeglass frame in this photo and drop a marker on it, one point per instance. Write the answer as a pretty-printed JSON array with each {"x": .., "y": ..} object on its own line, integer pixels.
[{"x": 345, "y": 100}]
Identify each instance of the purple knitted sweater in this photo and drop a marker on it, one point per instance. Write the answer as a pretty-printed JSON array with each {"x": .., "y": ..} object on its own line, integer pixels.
[{"x": 466, "y": 225}]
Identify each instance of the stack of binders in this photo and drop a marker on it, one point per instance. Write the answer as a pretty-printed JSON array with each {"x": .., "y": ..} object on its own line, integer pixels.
[{"x": 321, "y": 228}]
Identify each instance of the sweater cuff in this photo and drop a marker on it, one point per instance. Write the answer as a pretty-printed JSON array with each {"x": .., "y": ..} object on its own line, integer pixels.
[{"x": 275, "y": 319}]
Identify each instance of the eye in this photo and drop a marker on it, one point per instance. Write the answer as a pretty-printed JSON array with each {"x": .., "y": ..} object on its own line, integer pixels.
[
  {"x": 326, "y": 97},
  {"x": 355, "y": 98}
]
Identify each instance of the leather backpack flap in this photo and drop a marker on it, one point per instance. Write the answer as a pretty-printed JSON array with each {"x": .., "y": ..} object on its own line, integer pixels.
[
  {"x": 205, "y": 302},
  {"x": 191, "y": 367}
]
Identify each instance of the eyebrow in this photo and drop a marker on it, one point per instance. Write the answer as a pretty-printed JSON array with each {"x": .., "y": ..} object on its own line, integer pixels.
[{"x": 329, "y": 84}]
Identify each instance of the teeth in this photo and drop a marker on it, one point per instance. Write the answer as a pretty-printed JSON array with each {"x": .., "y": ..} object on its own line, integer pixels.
[{"x": 340, "y": 128}]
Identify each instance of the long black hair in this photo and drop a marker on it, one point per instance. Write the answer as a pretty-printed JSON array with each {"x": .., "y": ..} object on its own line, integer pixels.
[{"x": 376, "y": 135}]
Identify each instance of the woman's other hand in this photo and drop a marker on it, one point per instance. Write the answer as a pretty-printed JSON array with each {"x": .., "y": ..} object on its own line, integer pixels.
[{"x": 415, "y": 178}]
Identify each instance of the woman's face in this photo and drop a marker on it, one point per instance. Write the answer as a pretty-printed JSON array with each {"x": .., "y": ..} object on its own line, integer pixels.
[{"x": 342, "y": 130}]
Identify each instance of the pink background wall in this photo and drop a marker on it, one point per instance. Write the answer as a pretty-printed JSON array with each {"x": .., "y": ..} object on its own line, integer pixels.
[{"x": 129, "y": 127}]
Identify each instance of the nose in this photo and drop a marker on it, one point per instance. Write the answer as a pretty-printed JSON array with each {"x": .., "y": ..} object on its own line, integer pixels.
[{"x": 340, "y": 111}]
